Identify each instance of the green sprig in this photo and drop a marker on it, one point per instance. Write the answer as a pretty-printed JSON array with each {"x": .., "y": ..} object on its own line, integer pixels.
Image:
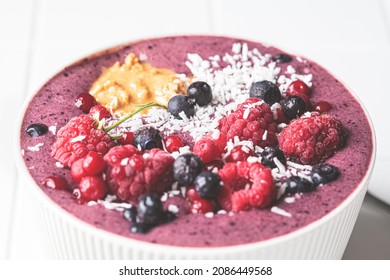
[{"x": 141, "y": 107}]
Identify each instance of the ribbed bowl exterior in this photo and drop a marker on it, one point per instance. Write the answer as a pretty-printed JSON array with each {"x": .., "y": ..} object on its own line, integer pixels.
[{"x": 66, "y": 237}]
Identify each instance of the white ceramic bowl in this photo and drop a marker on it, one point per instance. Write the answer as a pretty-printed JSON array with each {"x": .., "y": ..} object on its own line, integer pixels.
[{"x": 68, "y": 237}]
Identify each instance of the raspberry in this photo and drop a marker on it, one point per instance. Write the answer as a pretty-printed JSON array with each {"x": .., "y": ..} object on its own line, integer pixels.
[
  {"x": 246, "y": 185},
  {"x": 79, "y": 136},
  {"x": 131, "y": 174},
  {"x": 219, "y": 139},
  {"x": 310, "y": 140},
  {"x": 253, "y": 120}
]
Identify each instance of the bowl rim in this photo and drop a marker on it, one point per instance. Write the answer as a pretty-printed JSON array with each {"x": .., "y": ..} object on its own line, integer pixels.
[{"x": 175, "y": 249}]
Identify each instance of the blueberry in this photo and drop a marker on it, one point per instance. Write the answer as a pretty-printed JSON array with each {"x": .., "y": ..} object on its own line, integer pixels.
[
  {"x": 168, "y": 217},
  {"x": 37, "y": 129},
  {"x": 293, "y": 107},
  {"x": 324, "y": 173},
  {"x": 282, "y": 58},
  {"x": 140, "y": 228},
  {"x": 148, "y": 138},
  {"x": 130, "y": 214},
  {"x": 296, "y": 184},
  {"x": 268, "y": 155},
  {"x": 265, "y": 90},
  {"x": 201, "y": 92},
  {"x": 149, "y": 210},
  {"x": 181, "y": 103},
  {"x": 208, "y": 185},
  {"x": 186, "y": 167}
]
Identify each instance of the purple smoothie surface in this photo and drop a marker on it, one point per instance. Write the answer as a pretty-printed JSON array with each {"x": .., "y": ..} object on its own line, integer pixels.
[{"x": 53, "y": 104}]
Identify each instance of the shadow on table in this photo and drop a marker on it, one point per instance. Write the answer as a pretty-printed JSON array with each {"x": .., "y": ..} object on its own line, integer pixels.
[{"x": 370, "y": 239}]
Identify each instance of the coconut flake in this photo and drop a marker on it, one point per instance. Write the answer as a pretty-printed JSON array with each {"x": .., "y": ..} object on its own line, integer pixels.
[
  {"x": 209, "y": 215},
  {"x": 264, "y": 137},
  {"x": 124, "y": 161},
  {"x": 216, "y": 134},
  {"x": 53, "y": 129},
  {"x": 290, "y": 69},
  {"x": 35, "y": 148},
  {"x": 236, "y": 48},
  {"x": 280, "y": 211},
  {"x": 59, "y": 164},
  {"x": 173, "y": 208},
  {"x": 289, "y": 199},
  {"x": 279, "y": 165},
  {"x": 164, "y": 197},
  {"x": 78, "y": 138},
  {"x": 246, "y": 114}
]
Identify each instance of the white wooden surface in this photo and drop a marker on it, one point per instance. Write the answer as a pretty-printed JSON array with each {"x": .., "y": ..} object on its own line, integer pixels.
[{"x": 38, "y": 37}]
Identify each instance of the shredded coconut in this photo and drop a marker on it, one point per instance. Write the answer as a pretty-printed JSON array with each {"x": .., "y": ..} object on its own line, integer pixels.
[
  {"x": 280, "y": 211},
  {"x": 59, "y": 164},
  {"x": 209, "y": 215},
  {"x": 77, "y": 138},
  {"x": 230, "y": 86},
  {"x": 173, "y": 208},
  {"x": 280, "y": 165},
  {"x": 53, "y": 129},
  {"x": 289, "y": 199},
  {"x": 35, "y": 148}
]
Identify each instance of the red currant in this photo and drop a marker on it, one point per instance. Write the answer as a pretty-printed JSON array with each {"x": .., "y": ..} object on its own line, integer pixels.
[
  {"x": 126, "y": 138},
  {"x": 76, "y": 171},
  {"x": 298, "y": 86},
  {"x": 220, "y": 141},
  {"x": 99, "y": 112},
  {"x": 322, "y": 107},
  {"x": 85, "y": 102},
  {"x": 93, "y": 163},
  {"x": 191, "y": 194},
  {"x": 207, "y": 150},
  {"x": 173, "y": 143},
  {"x": 56, "y": 182},
  {"x": 239, "y": 153},
  {"x": 91, "y": 188},
  {"x": 201, "y": 206}
]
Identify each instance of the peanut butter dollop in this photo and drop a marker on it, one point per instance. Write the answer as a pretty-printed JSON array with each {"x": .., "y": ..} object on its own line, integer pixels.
[{"x": 121, "y": 87}]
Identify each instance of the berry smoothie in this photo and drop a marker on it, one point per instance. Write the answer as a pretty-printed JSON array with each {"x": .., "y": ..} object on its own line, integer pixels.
[{"x": 352, "y": 149}]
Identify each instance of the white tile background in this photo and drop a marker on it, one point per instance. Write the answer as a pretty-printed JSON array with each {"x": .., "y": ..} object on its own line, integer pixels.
[{"x": 39, "y": 37}]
